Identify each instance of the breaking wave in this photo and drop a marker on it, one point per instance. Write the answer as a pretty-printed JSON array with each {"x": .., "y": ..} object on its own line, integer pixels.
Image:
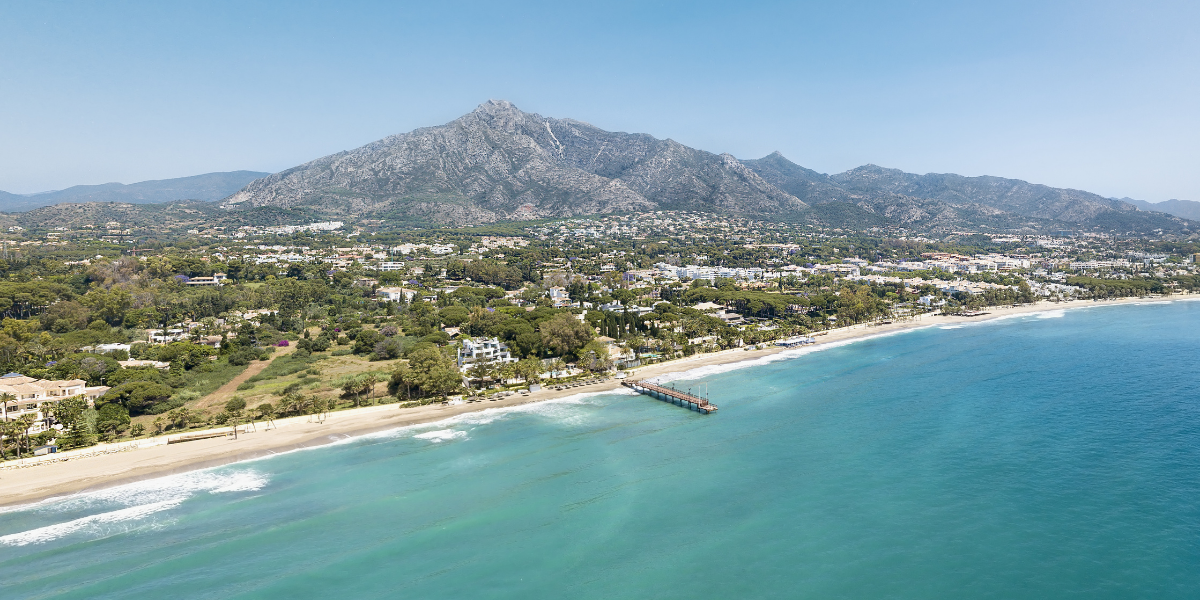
[{"x": 127, "y": 503}]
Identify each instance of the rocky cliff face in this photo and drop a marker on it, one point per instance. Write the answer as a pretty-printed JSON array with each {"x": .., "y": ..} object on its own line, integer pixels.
[{"x": 499, "y": 163}]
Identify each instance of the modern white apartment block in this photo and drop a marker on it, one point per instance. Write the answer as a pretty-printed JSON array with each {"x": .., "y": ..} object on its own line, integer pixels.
[{"x": 487, "y": 351}]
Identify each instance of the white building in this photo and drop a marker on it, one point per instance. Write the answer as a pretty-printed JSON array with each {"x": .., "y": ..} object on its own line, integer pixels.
[
  {"x": 488, "y": 351},
  {"x": 395, "y": 294}
]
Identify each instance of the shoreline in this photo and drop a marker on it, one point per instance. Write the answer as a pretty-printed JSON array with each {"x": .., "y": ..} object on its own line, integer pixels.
[{"x": 112, "y": 465}]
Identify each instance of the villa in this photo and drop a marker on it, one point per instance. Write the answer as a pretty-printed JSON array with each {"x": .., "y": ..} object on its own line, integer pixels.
[{"x": 30, "y": 396}]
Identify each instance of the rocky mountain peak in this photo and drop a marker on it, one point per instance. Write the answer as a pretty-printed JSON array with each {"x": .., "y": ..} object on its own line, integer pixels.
[{"x": 499, "y": 162}]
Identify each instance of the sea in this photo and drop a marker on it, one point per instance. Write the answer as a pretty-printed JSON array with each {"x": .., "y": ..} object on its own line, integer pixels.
[{"x": 1047, "y": 455}]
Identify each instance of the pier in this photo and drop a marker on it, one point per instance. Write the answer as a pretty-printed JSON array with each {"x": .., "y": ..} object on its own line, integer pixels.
[{"x": 672, "y": 395}]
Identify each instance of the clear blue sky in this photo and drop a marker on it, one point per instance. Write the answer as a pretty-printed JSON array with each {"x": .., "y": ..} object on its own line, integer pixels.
[{"x": 1096, "y": 95}]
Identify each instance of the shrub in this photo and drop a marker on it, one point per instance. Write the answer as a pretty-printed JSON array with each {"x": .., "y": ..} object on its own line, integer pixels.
[
  {"x": 246, "y": 385},
  {"x": 139, "y": 397},
  {"x": 242, "y": 357},
  {"x": 290, "y": 389}
]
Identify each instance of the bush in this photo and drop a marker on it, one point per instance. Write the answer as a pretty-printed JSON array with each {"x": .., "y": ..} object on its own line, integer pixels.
[
  {"x": 242, "y": 357},
  {"x": 340, "y": 352},
  {"x": 388, "y": 349},
  {"x": 246, "y": 385},
  {"x": 366, "y": 340},
  {"x": 290, "y": 389},
  {"x": 112, "y": 418},
  {"x": 140, "y": 397}
]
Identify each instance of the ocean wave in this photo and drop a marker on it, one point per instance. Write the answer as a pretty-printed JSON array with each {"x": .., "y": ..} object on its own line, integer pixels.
[
  {"x": 100, "y": 523},
  {"x": 171, "y": 488},
  {"x": 951, "y": 327},
  {"x": 1051, "y": 314},
  {"x": 441, "y": 435}
]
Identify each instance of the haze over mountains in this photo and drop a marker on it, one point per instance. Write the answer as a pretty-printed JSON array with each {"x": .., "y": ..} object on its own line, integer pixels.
[
  {"x": 499, "y": 163},
  {"x": 208, "y": 187},
  {"x": 1188, "y": 209}
]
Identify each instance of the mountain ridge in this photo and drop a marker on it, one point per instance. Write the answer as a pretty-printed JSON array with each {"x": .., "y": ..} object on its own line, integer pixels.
[
  {"x": 500, "y": 163},
  {"x": 1188, "y": 209},
  {"x": 205, "y": 187}
]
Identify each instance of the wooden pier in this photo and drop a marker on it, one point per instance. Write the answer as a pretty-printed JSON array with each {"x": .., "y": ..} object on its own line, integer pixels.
[{"x": 672, "y": 395}]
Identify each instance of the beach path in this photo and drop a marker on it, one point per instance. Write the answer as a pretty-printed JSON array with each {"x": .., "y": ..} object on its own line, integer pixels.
[{"x": 224, "y": 393}]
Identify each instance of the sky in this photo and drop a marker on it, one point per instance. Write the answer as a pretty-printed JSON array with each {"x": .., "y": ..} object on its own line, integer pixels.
[{"x": 1094, "y": 95}]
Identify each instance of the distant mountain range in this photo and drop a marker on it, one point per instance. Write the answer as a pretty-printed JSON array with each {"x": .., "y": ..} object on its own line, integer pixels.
[
  {"x": 208, "y": 187},
  {"x": 499, "y": 163},
  {"x": 1188, "y": 209}
]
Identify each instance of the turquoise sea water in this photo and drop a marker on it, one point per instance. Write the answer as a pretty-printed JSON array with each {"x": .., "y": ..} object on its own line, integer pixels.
[{"x": 1047, "y": 456}]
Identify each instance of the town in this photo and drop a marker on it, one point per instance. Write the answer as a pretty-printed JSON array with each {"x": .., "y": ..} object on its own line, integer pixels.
[{"x": 115, "y": 333}]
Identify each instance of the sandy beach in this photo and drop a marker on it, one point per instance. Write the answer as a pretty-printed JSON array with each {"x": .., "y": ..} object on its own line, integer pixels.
[{"x": 115, "y": 464}]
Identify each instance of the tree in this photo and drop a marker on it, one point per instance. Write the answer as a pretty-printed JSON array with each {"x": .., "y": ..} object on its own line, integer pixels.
[
  {"x": 140, "y": 397},
  {"x": 70, "y": 413},
  {"x": 530, "y": 369},
  {"x": 4, "y": 400},
  {"x": 369, "y": 380},
  {"x": 112, "y": 418},
  {"x": 265, "y": 412},
  {"x": 481, "y": 371},
  {"x": 22, "y": 425},
  {"x": 6, "y": 431},
  {"x": 594, "y": 357},
  {"x": 365, "y": 341},
  {"x": 402, "y": 375},
  {"x": 350, "y": 385},
  {"x": 434, "y": 372},
  {"x": 564, "y": 334}
]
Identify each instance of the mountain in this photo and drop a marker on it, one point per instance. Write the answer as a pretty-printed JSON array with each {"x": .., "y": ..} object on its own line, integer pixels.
[
  {"x": 500, "y": 163},
  {"x": 210, "y": 186},
  {"x": 178, "y": 215},
  {"x": 948, "y": 201},
  {"x": 1188, "y": 209}
]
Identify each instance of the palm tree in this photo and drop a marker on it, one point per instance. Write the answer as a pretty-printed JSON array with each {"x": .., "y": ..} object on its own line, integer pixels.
[
  {"x": 4, "y": 400},
  {"x": 508, "y": 371},
  {"x": 5, "y": 428},
  {"x": 266, "y": 412},
  {"x": 23, "y": 423},
  {"x": 480, "y": 371},
  {"x": 370, "y": 379}
]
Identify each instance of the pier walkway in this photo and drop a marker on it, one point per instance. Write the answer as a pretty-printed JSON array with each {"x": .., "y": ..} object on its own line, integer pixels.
[{"x": 672, "y": 395}]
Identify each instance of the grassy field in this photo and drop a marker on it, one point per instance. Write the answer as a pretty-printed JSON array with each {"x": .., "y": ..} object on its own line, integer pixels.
[{"x": 314, "y": 374}]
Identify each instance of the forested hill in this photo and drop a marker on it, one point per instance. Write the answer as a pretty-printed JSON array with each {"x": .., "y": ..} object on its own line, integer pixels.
[{"x": 207, "y": 187}]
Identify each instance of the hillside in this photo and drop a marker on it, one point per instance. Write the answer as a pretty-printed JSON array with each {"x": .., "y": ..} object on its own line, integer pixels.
[
  {"x": 949, "y": 201},
  {"x": 179, "y": 215},
  {"x": 500, "y": 163},
  {"x": 209, "y": 187},
  {"x": 1188, "y": 209}
]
